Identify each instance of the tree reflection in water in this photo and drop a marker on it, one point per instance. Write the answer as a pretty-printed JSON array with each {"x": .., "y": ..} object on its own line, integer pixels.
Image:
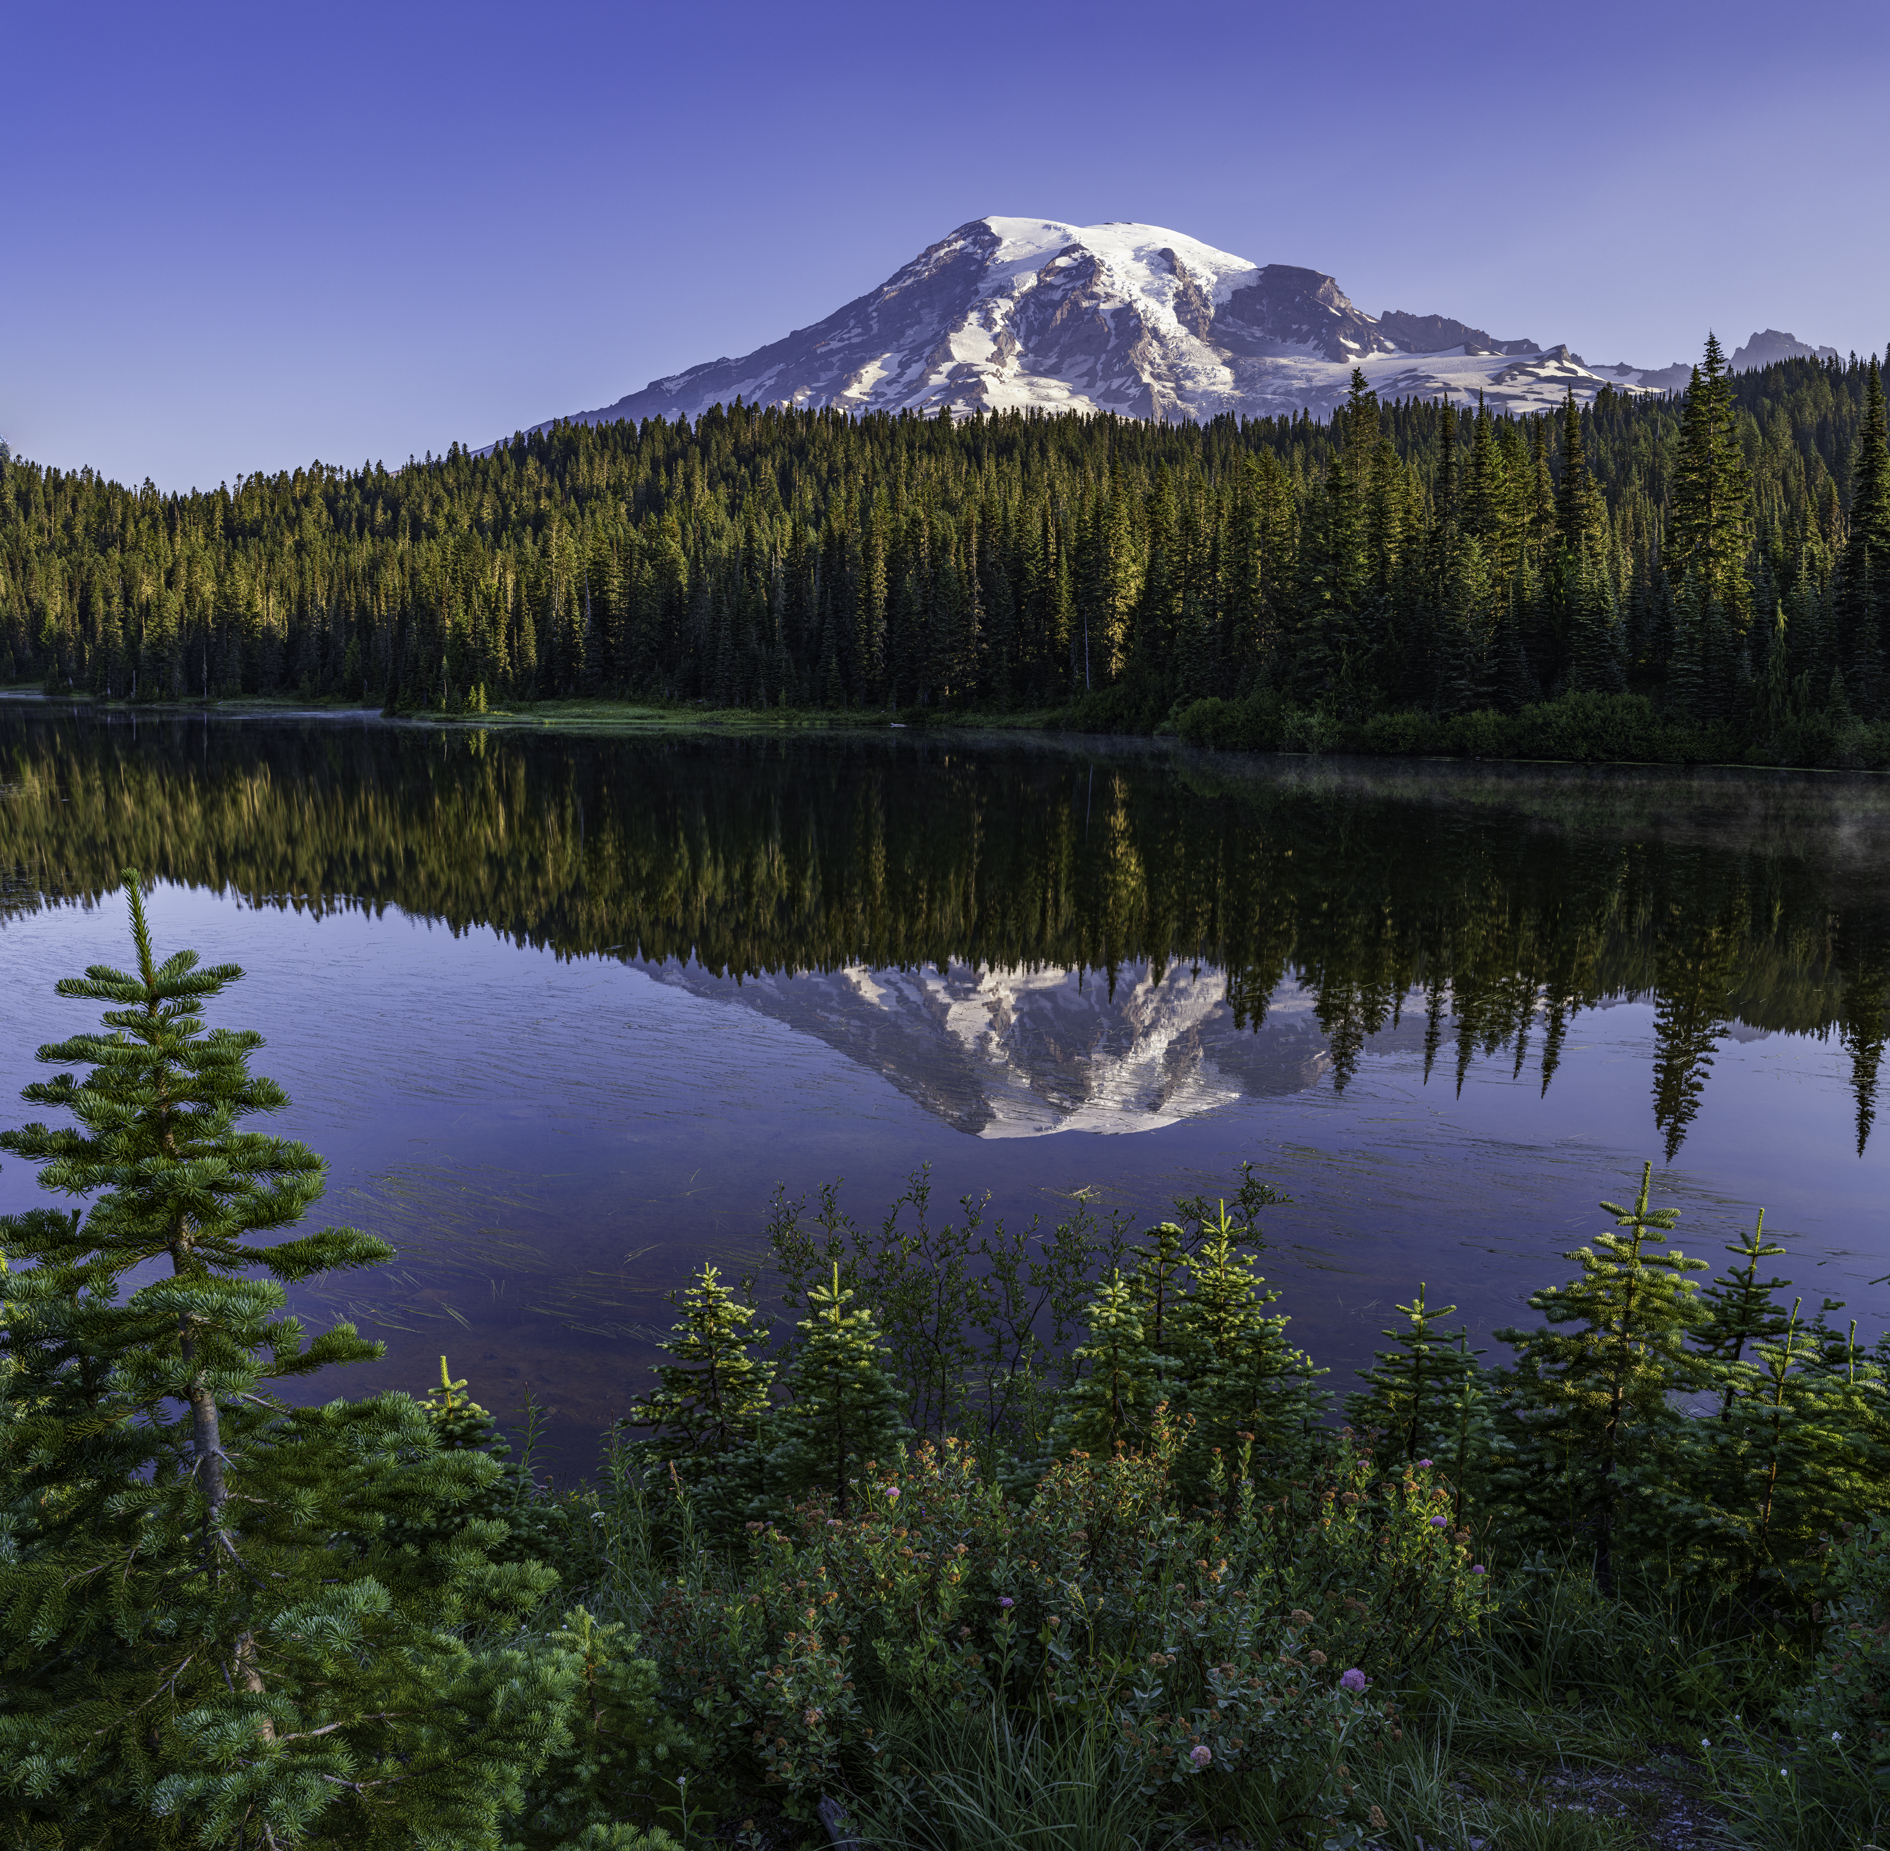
[{"x": 1499, "y": 903}]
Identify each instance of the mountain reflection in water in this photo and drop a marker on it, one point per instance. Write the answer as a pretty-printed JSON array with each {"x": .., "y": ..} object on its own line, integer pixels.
[
  {"x": 1007, "y": 1053},
  {"x": 1031, "y": 939}
]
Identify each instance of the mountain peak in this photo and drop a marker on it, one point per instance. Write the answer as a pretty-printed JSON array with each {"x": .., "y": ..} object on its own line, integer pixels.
[
  {"x": 1035, "y": 314},
  {"x": 1770, "y": 344}
]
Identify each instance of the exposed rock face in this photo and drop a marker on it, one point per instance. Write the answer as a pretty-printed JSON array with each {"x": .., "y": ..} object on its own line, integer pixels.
[
  {"x": 1433, "y": 333},
  {"x": 1133, "y": 319},
  {"x": 1770, "y": 344}
]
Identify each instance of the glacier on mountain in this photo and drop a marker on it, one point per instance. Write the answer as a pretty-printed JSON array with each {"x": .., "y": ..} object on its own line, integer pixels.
[{"x": 1032, "y": 314}]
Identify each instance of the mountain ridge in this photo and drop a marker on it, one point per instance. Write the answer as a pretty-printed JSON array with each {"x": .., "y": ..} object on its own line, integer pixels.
[{"x": 1140, "y": 320}]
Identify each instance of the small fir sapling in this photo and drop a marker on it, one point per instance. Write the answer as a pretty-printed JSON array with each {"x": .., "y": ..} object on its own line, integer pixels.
[
  {"x": 1414, "y": 1403},
  {"x": 711, "y": 1397},
  {"x": 1587, "y": 1410},
  {"x": 1239, "y": 1383},
  {"x": 206, "y": 1637},
  {"x": 707, "y": 1416},
  {"x": 844, "y": 1407},
  {"x": 1112, "y": 1404}
]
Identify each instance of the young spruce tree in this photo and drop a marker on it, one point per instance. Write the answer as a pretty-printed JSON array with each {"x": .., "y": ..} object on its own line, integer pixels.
[
  {"x": 1112, "y": 1402},
  {"x": 206, "y": 1639},
  {"x": 845, "y": 1408},
  {"x": 1239, "y": 1382},
  {"x": 1414, "y": 1404},
  {"x": 1588, "y": 1415}
]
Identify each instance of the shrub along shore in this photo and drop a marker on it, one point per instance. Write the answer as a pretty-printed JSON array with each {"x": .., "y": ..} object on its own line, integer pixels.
[
  {"x": 1576, "y": 728},
  {"x": 1017, "y": 1531}
]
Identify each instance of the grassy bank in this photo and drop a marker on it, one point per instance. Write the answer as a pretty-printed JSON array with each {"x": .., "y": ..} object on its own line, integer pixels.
[{"x": 1624, "y": 729}]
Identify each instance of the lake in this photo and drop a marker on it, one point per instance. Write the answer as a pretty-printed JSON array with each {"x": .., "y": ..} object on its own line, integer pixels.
[{"x": 563, "y": 1011}]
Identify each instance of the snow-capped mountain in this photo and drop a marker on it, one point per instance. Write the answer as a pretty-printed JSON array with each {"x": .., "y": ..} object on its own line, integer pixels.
[
  {"x": 1032, "y": 314},
  {"x": 1017, "y": 1053}
]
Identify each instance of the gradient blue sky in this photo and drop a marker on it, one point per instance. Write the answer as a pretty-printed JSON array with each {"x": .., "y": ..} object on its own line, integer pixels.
[{"x": 241, "y": 237}]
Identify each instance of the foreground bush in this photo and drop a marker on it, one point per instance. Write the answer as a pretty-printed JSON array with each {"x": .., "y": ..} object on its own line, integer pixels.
[{"x": 1231, "y": 1652}]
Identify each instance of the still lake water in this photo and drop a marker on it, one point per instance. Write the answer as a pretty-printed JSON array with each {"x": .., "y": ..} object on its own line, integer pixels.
[{"x": 561, "y": 1012}]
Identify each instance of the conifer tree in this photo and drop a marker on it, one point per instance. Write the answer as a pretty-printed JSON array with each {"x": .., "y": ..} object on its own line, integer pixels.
[
  {"x": 1112, "y": 1402},
  {"x": 844, "y": 1409},
  {"x": 1159, "y": 1282},
  {"x": 1412, "y": 1403},
  {"x": 1594, "y": 631},
  {"x": 1238, "y": 1381},
  {"x": 1738, "y": 1310},
  {"x": 1588, "y": 1417},
  {"x": 1863, "y": 597},
  {"x": 207, "y": 1637},
  {"x": 460, "y": 1424},
  {"x": 1708, "y": 530},
  {"x": 1792, "y": 1458},
  {"x": 710, "y": 1398},
  {"x": 1580, "y": 514}
]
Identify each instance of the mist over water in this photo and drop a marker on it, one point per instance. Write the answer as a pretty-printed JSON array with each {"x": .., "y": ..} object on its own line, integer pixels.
[{"x": 561, "y": 1012}]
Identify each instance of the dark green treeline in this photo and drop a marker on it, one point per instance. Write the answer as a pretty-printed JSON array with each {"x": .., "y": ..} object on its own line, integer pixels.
[
  {"x": 1493, "y": 909},
  {"x": 1726, "y": 552}
]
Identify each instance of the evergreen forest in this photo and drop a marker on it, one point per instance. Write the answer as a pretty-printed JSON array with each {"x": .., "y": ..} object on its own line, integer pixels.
[{"x": 1699, "y": 576}]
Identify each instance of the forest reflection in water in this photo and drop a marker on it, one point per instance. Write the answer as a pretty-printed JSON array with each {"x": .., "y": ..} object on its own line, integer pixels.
[
  {"x": 563, "y": 1010},
  {"x": 969, "y": 902}
]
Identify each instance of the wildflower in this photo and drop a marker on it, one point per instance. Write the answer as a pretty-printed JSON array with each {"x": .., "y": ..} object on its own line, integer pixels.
[
  {"x": 1377, "y": 1820},
  {"x": 1004, "y": 1600},
  {"x": 1353, "y": 1679},
  {"x": 1201, "y": 1754},
  {"x": 1299, "y": 1617},
  {"x": 1318, "y": 1658},
  {"x": 1440, "y": 1523},
  {"x": 1423, "y": 1465},
  {"x": 1704, "y": 1743},
  {"x": 1476, "y": 1568},
  {"x": 892, "y": 1491}
]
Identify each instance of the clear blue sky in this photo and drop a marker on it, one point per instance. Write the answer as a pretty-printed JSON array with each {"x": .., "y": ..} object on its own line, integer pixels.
[{"x": 241, "y": 237}]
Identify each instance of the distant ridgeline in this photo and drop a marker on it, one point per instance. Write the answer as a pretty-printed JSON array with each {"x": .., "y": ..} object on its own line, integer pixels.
[
  {"x": 1725, "y": 552},
  {"x": 1498, "y": 908}
]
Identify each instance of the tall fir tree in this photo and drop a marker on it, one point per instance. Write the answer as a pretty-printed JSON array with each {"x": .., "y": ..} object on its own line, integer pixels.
[
  {"x": 1863, "y": 589},
  {"x": 1709, "y": 525}
]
